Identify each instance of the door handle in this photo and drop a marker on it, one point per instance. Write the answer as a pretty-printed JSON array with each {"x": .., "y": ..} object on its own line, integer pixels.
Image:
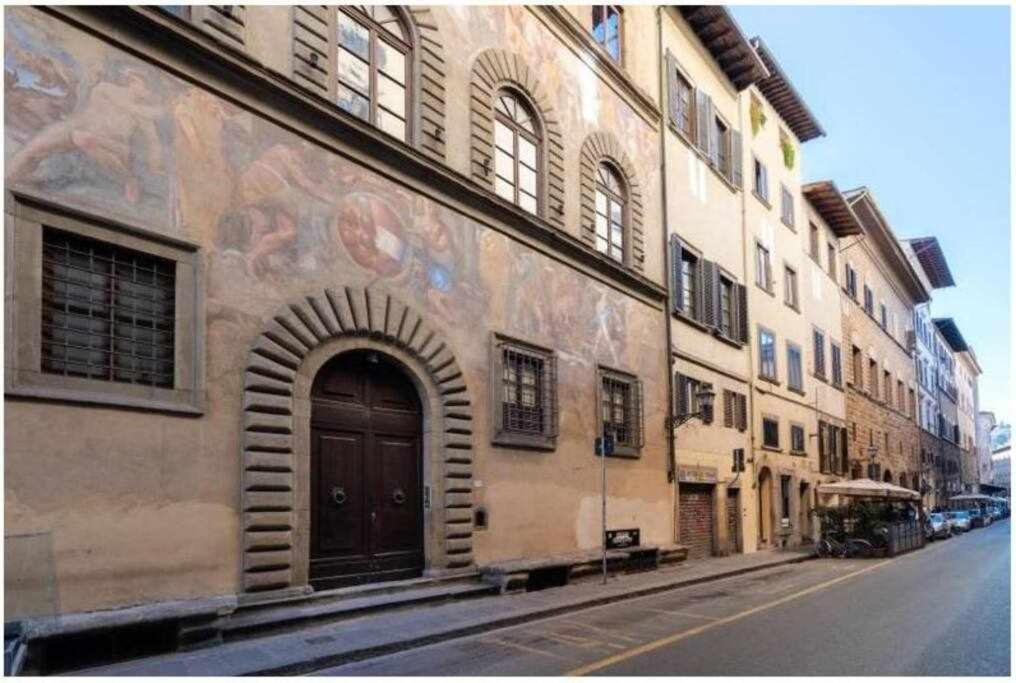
[
  {"x": 373, "y": 516},
  {"x": 399, "y": 496},
  {"x": 338, "y": 495}
]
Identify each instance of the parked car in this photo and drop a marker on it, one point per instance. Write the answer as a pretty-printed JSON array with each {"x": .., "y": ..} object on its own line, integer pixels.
[
  {"x": 959, "y": 520},
  {"x": 976, "y": 518},
  {"x": 937, "y": 526}
]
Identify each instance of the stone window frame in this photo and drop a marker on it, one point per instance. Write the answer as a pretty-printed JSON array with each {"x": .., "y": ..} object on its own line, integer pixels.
[
  {"x": 766, "y": 417},
  {"x": 635, "y": 409},
  {"x": 501, "y": 436},
  {"x": 25, "y": 219},
  {"x": 799, "y": 428},
  {"x": 603, "y": 147}
]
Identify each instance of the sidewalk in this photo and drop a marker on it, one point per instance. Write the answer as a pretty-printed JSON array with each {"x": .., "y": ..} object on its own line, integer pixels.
[{"x": 308, "y": 649}]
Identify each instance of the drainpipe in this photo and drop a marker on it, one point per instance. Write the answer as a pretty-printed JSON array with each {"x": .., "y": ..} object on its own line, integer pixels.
[{"x": 671, "y": 449}]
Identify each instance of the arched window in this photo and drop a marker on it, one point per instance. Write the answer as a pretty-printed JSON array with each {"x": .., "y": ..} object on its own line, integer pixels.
[
  {"x": 610, "y": 206},
  {"x": 517, "y": 151},
  {"x": 374, "y": 59}
]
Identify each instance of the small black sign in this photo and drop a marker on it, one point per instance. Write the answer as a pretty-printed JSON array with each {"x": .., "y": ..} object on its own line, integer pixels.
[
  {"x": 604, "y": 445},
  {"x": 622, "y": 538}
]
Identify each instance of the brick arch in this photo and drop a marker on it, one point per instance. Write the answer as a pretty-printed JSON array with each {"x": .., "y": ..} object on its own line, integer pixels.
[
  {"x": 493, "y": 69},
  {"x": 278, "y": 370},
  {"x": 605, "y": 147}
]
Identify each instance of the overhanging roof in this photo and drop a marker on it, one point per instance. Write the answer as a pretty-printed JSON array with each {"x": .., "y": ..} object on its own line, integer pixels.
[
  {"x": 949, "y": 330},
  {"x": 720, "y": 34},
  {"x": 868, "y": 488},
  {"x": 785, "y": 99},
  {"x": 932, "y": 260},
  {"x": 833, "y": 208}
]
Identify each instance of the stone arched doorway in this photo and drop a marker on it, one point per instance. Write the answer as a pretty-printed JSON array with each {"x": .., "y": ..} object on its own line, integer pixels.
[
  {"x": 277, "y": 438},
  {"x": 765, "y": 508}
]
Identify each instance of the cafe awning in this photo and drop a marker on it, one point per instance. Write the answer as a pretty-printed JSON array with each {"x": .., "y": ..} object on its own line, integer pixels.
[
  {"x": 973, "y": 497},
  {"x": 868, "y": 488}
]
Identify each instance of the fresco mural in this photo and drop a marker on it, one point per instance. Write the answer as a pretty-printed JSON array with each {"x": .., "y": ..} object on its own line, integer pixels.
[{"x": 275, "y": 215}]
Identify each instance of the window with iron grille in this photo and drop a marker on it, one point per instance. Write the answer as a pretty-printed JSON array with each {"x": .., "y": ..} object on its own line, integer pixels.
[
  {"x": 108, "y": 313},
  {"x": 621, "y": 411},
  {"x": 524, "y": 389}
]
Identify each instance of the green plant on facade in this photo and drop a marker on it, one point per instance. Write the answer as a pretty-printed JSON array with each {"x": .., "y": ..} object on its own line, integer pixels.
[
  {"x": 788, "y": 151},
  {"x": 758, "y": 116}
]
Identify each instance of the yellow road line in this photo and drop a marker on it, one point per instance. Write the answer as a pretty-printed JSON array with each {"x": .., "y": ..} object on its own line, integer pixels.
[{"x": 663, "y": 642}]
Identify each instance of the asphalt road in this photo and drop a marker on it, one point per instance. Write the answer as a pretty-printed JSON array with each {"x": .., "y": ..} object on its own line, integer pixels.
[{"x": 943, "y": 610}]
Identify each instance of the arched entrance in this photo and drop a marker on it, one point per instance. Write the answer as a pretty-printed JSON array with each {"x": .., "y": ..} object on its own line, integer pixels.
[
  {"x": 366, "y": 517},
  {"x": 765, "y": 508},
  {"x": 887, "y": 477}
]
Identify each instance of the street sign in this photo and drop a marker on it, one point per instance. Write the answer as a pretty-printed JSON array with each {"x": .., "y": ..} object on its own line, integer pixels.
[{"x": 622, "y": 538}]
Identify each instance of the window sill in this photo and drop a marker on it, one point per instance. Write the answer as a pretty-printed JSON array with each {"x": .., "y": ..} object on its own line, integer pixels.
[
  {"x": 819, "y": 377},
  {"x": 625, "y": 452},
  {"x": 770, "y": 380},
  {"x": 796, "y": 309},
  {"x": 728, "y": 341},
  {"x": 795, "y": 390},
  {"x": 530, "y": 442},
  {"x": 771, "y": 449},
  {"x": 789, "y": 225},
  {"x": 770, "y": 291},
  {"x": 114, "y": 394},
  {"x": 686, "y": 138},
  {"x": 800, "y": 454},
  {"x": 684, "y": 317},
  {"x": 763, "y": 200}
]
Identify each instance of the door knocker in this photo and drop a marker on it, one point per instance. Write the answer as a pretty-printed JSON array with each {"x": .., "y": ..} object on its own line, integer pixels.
[
  {"x": 338, "y": 495},
  {"x": 399, "y": 496}
]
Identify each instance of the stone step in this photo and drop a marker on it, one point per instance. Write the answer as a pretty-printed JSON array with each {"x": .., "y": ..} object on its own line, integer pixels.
[{"x": 344, "y": 603}]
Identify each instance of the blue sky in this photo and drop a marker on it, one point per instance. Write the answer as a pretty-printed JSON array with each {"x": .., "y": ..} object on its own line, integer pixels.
[{"x": 915, "y": 104}]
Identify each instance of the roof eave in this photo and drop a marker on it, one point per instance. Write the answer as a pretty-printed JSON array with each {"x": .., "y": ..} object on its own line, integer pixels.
[
  {"x": 719, "y": 32},
  {"x": 833, "y": 207},
  {"x": 929, "y": 254},
  {"x": 783, "y": 96}
]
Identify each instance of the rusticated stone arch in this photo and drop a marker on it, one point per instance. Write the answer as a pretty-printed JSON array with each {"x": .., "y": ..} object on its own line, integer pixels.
[
  {"x": 605, "y": 147},
  {"x": 277, "y": 379},
  {"x": 494, "y": 69}
]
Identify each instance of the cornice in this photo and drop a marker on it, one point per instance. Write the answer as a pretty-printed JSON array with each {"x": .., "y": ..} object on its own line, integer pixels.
[
  {"x": 572, "y": 32},
  {"x": 191, "y": 55}
]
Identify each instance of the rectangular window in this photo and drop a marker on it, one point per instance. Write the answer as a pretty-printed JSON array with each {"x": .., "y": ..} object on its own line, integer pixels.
[
  {"x": 887, "y": 387},
  {"x": 690, "y": 283},
  {"x": 796, "y": 438},
  {"x": 785, "y": 499},
  {"x": 837, "y": 364},
  {"x": 607, "y": 29},
  {"x": 767, "y": 354},
  {"x": 857, "y": 367},
  {"x": 526, "y": 385},
  {"x": 726, "y": 322},
  {"x": 108, "y": 313},
  {"x": 684, "y": 102},
  {"x": 884, "y": 317},
  {"x": 831, "y": 257},
  {"x": 790, "y": 288},
  {"x": 761, "y": 185},
  {"x": 873, "y": 378},
  {"x": 722, "y": 150},
  {"x": 621, "y": 411},
  {"x": 901, "y": 396},
  {"x": 770, "y": 432},
  {"x": 851, "y": 282},
  {"x": 813, "y": 241},
  {"x": 795, "y": 379},
  {"x": 687, "y": 399},
  {"x": 912, "y": 404},
  {"x": 869, "y": 301},
  {"x": 818, "y": 346},
  {"x": 763, "y": 268},
  {"x": 786, "y": 206}
]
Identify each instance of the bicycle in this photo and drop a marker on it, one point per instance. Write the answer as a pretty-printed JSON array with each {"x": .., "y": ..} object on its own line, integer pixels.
[{"x": 851, "y": 547}]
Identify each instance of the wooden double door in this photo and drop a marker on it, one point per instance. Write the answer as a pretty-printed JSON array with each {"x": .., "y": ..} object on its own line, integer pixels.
[{"x": 366, "y": 473}]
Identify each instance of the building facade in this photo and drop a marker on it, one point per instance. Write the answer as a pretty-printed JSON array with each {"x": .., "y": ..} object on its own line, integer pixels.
[
  {"x": 882, "y": 290},
  {"x": 985, "y": 425},
  {"x": 373, "y": 302}
]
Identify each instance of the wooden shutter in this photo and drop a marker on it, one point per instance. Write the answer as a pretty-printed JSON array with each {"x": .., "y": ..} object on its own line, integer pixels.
[
  {"x": 314, "y": 45},
  {"x": 742, "y": 412},
  {"x": 703, "y": 108},
  {"x": 677, "y": 283},
  {"x": 700, "y": 268},
  {"x": 681, "y": 399},
  {"x": 843, "y": 450},
  {"x": 823, "y": 454},
  {"x": 227, "y": 22},
  {"x": 638, "y": 423},
  {"x": 742, "y": 313},
  {"x": 736, "y": 172},
  {"x": 710, "y": 294},
  {"x": 550, "y": 418},
  {"x": 673, "y": 92},
  {"x": 728, "y": 408}
]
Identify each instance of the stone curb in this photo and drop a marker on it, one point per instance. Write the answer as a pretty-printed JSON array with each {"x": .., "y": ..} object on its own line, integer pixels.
[{"x": 337, "y": 659}]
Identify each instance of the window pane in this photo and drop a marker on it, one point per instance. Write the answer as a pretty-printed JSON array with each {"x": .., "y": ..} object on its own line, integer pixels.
[
  {"x": 616, "y": 235},
  {"x": 504, "y": 165},
  {"x": 353, "y": 36},
  {"x": 527, "y": 202},
  {"x": 616, "y": 212},
  {"x": 503, "y": 137},
  {"x": 527, "y": 153},
  {"x": 601, "y": 226},
  {"x": 614, "y": 48},
  {"x": 352, "y": 102},
  {"x": 391, "y": 95},
  {"x": 391, "y": 124},
  {"x": 391, "y": 62},
  {"x": 601, "y": 244},
  {"x": 353, "y": 71},
  {"x": 527, "y": 180},
  {"x": 504, "y": 189},
  {"x": 601, "y": 203},
  {"x": 599, "y": 25}
]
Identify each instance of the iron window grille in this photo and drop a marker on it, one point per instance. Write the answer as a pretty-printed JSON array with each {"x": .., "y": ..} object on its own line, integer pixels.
[
  {"x": 524, "y": 393},
  {"x": 108, "y": 312},
  {"x": 621, "y": 411}
]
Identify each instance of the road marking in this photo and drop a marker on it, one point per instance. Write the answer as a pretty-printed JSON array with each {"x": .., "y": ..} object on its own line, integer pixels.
[
  {"x": 601, "y": 630},
  {"x": 680, "y": 613},
  {"x": 525, "y": 648},
  {"x": 681, "y": 635}
]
